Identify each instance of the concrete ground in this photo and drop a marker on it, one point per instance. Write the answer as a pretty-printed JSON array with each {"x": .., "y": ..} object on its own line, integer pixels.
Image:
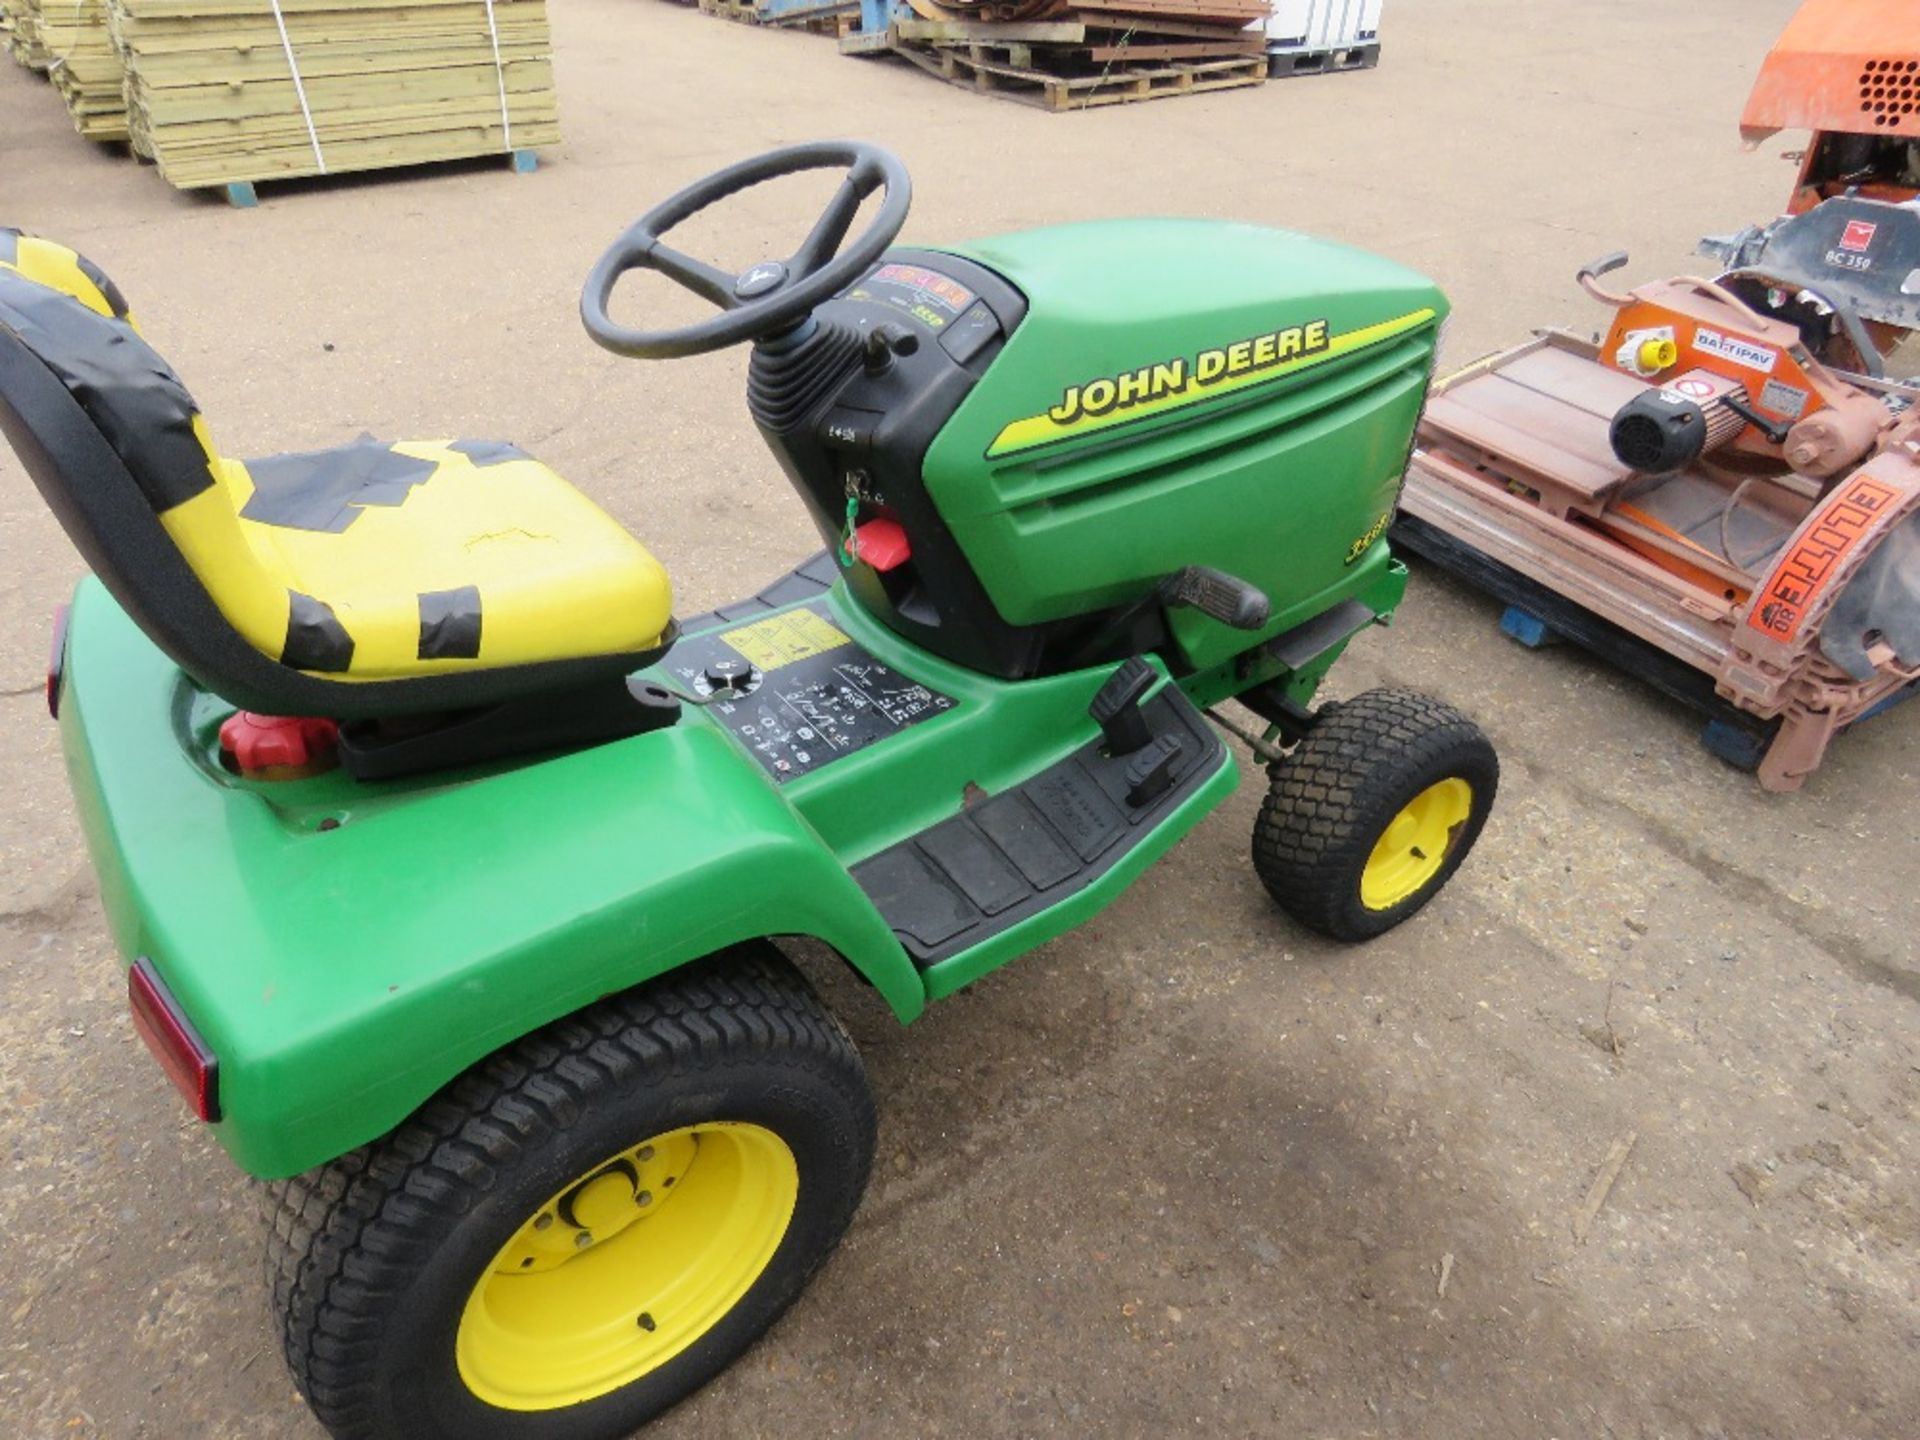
[{"x": 1186, "y": 1170}]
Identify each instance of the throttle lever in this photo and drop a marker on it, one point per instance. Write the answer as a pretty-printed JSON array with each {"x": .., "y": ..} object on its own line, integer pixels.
[
  {"x": 885, "y": 341},
  {"x": 1223, "y": 597}
]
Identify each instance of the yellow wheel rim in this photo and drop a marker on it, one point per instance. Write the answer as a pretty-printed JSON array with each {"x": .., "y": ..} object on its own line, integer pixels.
[
  {"x": 627, "y": 1266},
  {"x": 1415, "y": 844}
]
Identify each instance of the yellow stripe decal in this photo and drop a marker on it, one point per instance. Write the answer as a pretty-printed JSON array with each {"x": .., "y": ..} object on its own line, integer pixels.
[{"x": 1212, "y": 374}]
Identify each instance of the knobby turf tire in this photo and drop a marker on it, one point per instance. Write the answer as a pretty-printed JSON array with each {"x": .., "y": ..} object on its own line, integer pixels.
[
  {"x": 370, "y": 1258},
  {"x": 1331, "y": 798}
]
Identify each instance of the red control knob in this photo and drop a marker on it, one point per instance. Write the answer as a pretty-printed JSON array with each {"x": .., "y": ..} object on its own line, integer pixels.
[
  {"x": 882, "y": 544},
  {"x": 279, "y": 747}
]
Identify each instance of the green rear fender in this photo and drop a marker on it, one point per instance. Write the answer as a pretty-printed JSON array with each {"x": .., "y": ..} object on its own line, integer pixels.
[{"x": 343, "y": 974}]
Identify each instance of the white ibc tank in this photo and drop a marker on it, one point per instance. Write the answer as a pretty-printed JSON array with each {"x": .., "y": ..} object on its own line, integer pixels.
[{"x": 1323, "y": 24}]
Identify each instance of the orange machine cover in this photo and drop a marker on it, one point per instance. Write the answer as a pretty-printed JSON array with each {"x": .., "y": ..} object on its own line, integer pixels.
[{"x": 1847, "y": 65}]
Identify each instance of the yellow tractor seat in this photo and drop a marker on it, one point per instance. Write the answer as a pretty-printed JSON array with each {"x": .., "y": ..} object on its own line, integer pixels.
[
  {"x": 424, "y": 557},
  {"x": 359, "y": 582}
]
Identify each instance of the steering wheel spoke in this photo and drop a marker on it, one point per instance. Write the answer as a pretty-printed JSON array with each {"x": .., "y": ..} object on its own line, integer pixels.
[
  {"x": 709, "y": 282},
  {"x": 824, "y": 240},
  {"x": 771, "y": 298}
]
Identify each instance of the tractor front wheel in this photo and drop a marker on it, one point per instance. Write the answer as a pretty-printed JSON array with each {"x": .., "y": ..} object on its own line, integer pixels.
[
  {"x": 586, "y": 1226},
  {"x": 1372, "y": 812}
]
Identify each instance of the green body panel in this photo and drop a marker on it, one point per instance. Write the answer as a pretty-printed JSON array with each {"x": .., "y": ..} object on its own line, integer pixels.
[
  {"x": 341, "y": 975},
  {"x": 998, "y": 735},
  {"x": 345, "y": 949},
  {"x": 1282, "y": 473}
]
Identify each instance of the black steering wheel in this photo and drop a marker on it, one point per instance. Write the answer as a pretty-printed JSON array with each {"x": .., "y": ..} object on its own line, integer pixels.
[{"x": 775, "y": 295}]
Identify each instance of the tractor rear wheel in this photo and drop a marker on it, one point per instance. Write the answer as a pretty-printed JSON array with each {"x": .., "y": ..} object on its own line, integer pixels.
[
  {"x": 1372, "y": 812},
  {"x": 584, "y": 1227}
]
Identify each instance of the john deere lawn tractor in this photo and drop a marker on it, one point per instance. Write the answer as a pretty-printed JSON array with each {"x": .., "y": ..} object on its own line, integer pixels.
[{"x": 448, "y": 865}]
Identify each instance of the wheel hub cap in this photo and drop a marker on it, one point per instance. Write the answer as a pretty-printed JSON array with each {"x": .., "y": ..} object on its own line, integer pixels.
[
  {"x": 627, "y": 1266},
  {"x": 1415, "y": 845}
]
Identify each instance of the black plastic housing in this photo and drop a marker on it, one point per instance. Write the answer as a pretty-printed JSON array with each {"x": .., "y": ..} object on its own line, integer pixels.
[
  {"x": 848, "y": 416},
  {"x": 1658, "y": 432}
]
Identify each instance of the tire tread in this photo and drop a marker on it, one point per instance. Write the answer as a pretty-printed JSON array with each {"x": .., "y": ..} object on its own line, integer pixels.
[
  {"x": 1320, "y": 817},
  {"x": 340, "y": 1237}
]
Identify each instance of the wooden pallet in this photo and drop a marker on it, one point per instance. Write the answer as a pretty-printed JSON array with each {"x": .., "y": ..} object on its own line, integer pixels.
[
  {"x": 1152, "y": 14},
  {"x": 1055, "y": 46},
  {"x": 818, "y": 17},
  {"x": 838, "y": 24},
  {"x": 743, "y": 11},
  {"x": 866, "y": 44},
  {"x": 242, "y": 194},
  {"x": 1114, "y": 84},
  {"x": 1072, "y": 61}
]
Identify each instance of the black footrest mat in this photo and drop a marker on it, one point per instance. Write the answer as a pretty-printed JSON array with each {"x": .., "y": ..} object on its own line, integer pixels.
[
  {"x": 996, "y": 863},
  {"x": 812, "y": 576}
]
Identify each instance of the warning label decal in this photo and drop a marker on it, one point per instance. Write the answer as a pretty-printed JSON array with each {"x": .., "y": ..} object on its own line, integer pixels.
[
  {"x": 782, "y": 639},
  {"x": 1784, "y": 399}
]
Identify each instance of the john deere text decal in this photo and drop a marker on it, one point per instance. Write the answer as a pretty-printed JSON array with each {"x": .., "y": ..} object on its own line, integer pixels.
[{"x": 1155, "y": 389}]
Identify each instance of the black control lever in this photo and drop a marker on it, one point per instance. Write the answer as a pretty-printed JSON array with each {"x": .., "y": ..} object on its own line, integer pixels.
[
  {"x": 885, "y": 341},
  {"x": 1775, "y": 432},
  {"x": 1150, "y": 773},
  {"x": 1226, "y": 598},
  {"x": 1116, "y": 707},
  {"x": 1214, "y": 593}
]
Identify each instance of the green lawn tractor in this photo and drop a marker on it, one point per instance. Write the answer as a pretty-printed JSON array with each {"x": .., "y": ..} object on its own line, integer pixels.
[{"x": 449, "y": 868}]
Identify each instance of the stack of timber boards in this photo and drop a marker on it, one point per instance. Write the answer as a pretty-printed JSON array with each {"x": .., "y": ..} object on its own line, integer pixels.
[
  {"x": 216, "y": 96},
  {"x": 23, "y": 37},
  {"x": 85, "y": 67},
  {"x": 1072, "y": 54}
]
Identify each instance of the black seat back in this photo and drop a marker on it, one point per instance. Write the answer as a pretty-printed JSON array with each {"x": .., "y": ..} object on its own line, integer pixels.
[
  {"x": 55, "y": 356},
  {"x": 115, "y": 443}
]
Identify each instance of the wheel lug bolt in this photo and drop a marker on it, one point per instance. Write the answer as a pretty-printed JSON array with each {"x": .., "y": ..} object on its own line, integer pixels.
[
  {"x": 645, "y": 1197},
  {"x": 646, "y": 1323},
  {"x": 646, "y": 1154},
  {"x": 582, "y": 1240},
  {"x": 545, "y": 1222}
]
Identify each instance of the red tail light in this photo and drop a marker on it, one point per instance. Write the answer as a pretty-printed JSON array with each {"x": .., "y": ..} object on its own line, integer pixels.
[
  {"x": 173, "y": 1041},
  {"x": 57, "y": 661}
]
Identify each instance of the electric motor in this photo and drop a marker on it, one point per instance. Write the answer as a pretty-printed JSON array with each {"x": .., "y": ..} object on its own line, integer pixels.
[{"x": 1667, "y": 428}]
